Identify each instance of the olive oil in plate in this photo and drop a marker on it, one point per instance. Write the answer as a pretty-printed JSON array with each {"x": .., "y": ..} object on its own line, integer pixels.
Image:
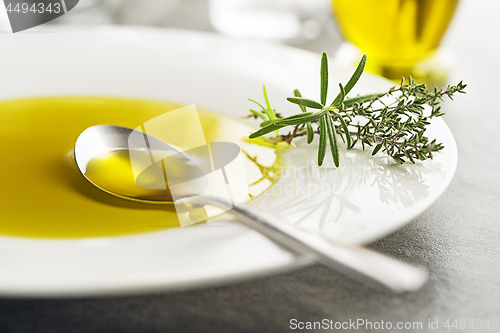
[{"x": 42, "y": 193}]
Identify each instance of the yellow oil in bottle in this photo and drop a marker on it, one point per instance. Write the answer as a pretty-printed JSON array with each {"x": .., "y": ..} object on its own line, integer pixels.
[
  {"x": 42, "y": 192},
  {"x": 394, "y": 33}
]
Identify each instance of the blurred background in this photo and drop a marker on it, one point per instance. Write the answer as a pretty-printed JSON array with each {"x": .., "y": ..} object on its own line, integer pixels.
[
  {"x": 303, "y": 23},
  {"x": 400, "y": 37},
  {"x": 297, "y": 22}
]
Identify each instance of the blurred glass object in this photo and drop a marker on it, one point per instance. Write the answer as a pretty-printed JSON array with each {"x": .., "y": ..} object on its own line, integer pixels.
[
  {"x": 90, "y": 12},
  {"x": 400, "y": 37},
  {"x": 144, "y": 12},
  {"x": 280, "y": 20}
]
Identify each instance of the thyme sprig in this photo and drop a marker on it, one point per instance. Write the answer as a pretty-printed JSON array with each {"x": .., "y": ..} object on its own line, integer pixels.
[{"x": 393, "y": 122}]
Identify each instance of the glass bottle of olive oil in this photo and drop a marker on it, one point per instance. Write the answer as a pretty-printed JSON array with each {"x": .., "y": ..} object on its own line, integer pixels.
[{"x": 395, "y": 34}]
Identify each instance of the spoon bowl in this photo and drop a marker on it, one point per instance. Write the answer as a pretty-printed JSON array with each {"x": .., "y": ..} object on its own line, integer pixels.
[{"x": 103, "y": 154}]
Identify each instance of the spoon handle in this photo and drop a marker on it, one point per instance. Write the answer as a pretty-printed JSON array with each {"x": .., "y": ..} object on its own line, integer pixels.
[{"x": 366, "y": 266}]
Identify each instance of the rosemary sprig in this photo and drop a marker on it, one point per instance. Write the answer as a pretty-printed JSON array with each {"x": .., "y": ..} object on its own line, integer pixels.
[
  {"x": 265, "y": 111},
  {"x": 393, "y": 122}
]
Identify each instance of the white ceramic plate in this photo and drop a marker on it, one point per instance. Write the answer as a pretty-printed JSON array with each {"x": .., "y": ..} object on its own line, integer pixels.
[{"x": 365, "y": 199}]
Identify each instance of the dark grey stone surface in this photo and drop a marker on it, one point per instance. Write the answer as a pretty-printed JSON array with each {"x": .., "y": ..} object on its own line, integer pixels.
[{"x": 458, "y": 239}]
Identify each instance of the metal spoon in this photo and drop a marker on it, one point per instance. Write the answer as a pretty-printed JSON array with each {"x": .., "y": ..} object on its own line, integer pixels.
[{"x": 368, "y": 267}]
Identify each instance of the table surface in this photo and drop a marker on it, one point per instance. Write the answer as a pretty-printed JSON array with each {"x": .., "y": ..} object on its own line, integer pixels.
[{"x": 458, "y": 239}]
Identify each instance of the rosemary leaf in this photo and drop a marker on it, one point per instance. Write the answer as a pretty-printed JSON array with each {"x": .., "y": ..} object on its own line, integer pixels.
[
  {"x": 265, "y": 130},
  {"x": 332, "y": 135},
  {"x": 309, "y": 128},
  {"x": 270, "y": 111},
  {"x": 352, "y": 81},
  {"x": 303, "y": 118},
  {"x": 359, "y": 99},
  {"x": 305, "y": 102},
  {"x": 258, "y": 114},
  {"x": 298, "y": 115},
  {"x": 267, "y": 123},
  {"x": 310, "y": 133},
  {"x": 323, "y": 138},
  {"x": 260, "y": 105},
  {"x": 324, "y": 78},
  {"x": 342, "y": 94},
  {"x": 346, "y": 131},
  {"x": 297, "y": 93},
  {"x": 376, "y": 149}
]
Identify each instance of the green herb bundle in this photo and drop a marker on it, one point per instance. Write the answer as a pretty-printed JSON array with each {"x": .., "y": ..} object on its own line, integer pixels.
[{"x": 392, "y": 122}]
